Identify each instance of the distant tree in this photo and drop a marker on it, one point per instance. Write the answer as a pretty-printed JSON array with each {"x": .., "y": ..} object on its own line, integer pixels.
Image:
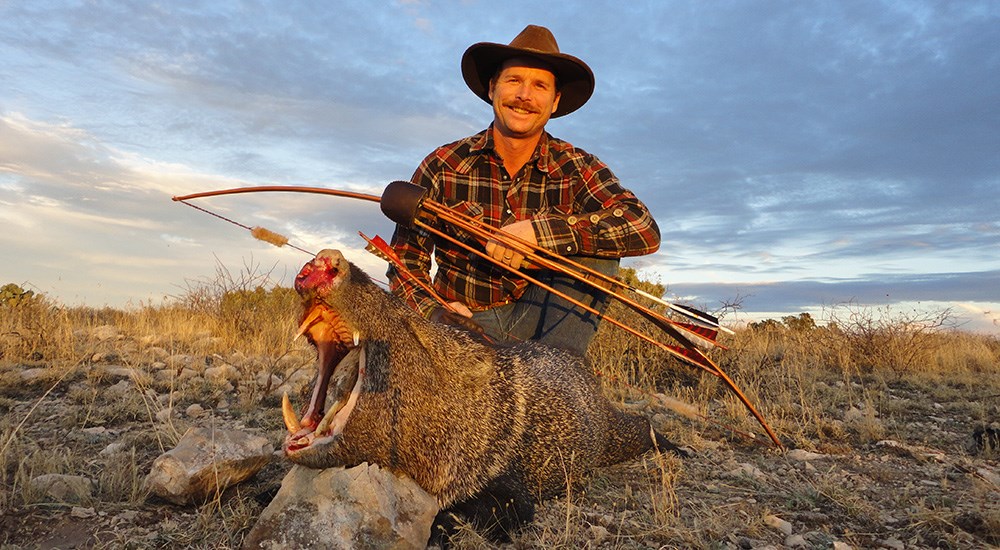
[
  {"x": 12, "y": 295},
  {"x": 801, "y": 323},
  {"x": 629, "y": 276},
  {"x": 765, "y": 325}
]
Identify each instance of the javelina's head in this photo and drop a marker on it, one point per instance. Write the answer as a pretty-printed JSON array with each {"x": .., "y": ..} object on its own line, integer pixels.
[{"x": 339, "y": 358}]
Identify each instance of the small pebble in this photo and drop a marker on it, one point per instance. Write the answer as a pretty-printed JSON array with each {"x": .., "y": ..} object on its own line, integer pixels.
[
  {"x": 796, "y": 541},
  {"x": 82, "y": 513},
  {"x": 777, "y": 523}
]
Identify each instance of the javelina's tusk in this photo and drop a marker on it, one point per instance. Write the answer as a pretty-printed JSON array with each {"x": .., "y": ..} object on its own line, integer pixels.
[
  {"x": 309, "y": 320},
  {"x": 324, "y": 423},
  {"x": 291, "y": 420},
  {"x": 335, "y": 418},
  {"x": 341, "y": 420}
]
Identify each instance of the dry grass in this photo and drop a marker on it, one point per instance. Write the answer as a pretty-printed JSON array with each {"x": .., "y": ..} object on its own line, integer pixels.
[{"x": 839, "y": 389}]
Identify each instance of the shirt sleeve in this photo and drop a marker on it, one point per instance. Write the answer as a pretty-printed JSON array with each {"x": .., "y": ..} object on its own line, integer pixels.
[
  {"x": 607, "y": 219},
  {"x": 414, "y": 247}
]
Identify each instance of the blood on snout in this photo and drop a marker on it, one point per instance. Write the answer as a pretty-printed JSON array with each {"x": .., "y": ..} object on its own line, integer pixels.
[{"x": 314, "y": 274}]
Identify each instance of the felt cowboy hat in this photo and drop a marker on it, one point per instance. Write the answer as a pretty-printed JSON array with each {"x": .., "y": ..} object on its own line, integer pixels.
[{"x": 573, "y": 77}]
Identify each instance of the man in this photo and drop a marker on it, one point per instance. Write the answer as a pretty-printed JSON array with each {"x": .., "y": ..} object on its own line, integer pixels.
[{"x": 517, "y": 177}]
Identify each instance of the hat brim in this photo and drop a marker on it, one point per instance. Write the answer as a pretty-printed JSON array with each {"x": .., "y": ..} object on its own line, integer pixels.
[{"x": 576, "y": 80}]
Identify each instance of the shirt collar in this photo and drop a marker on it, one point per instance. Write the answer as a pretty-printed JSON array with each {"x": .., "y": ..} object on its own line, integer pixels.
[{"x": 542, "y": 157}]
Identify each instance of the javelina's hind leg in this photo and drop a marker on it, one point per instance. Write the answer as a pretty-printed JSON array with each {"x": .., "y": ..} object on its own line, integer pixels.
[
  {"x": 630, "y": 435},
  {"x": 496, "y": 512},
  {"x": 664, "y": 445}
]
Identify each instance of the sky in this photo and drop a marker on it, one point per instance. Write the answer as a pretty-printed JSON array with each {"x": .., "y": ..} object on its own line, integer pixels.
[{"x": 798, "y": 156}]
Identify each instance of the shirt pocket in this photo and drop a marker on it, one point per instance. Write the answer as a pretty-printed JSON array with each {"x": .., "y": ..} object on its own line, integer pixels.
[{"x": 558, "y": 196}]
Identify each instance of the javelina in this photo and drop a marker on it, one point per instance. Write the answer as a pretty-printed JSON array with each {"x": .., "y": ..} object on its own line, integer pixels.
[{"x": 487, "y": 430}]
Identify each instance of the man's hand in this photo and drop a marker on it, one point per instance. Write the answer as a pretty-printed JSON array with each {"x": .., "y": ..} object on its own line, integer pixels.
[
  {"x": 511, "y": 256},
  {"x": 462, "y": 318}
]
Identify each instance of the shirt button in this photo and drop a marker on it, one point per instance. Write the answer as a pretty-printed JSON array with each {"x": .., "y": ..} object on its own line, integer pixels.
[
  {"x": 594, "y": 218},
  {"x": 618, "y": 212},
  {"x": 572, "y": 220}
]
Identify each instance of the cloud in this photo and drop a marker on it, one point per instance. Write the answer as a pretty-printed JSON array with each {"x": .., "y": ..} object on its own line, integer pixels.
[
  {"x": 881, "y": 288},
  {"x": 795, "y": 150}
]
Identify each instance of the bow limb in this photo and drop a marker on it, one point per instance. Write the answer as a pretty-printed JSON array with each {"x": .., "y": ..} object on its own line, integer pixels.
[{"x": 280, "y": 188}]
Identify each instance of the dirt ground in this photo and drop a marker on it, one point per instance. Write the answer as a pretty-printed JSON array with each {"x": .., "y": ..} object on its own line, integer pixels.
[{"x": 920, "y": 482}]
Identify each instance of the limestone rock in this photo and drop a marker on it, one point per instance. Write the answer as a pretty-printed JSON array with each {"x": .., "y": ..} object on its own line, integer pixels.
[
  {"x": 361, "y": 507},
  {"x": 35, "y": 375},
  {"x": 194, "y": 410},
  {"x": 222, "y": 373},
  {"x": 113, "y": 448},
  {"x": 801, "y": 455},
  {"x": 747, "y": 470},
  {"x": 64, "y": 488},
  {"x": 163, "y": 415},
  {"x": 80, "y": 512},
  {"x": 796, "y": 541},
  {"x": 777, "y": 523},
  {"x": 206, "y": 461},
  {"x": 105, "y": 332},
  {"x": 118, "y": 371}
]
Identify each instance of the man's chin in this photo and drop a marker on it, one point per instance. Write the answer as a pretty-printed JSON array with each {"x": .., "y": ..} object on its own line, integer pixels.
[{"x": 519, "y": 131}]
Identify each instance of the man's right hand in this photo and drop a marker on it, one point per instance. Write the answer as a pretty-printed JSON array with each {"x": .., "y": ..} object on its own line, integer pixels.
[{"x": 512, "y": 257}]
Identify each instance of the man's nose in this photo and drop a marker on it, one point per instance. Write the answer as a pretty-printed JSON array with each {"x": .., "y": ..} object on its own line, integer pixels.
[{"x": 523, "y": 91}]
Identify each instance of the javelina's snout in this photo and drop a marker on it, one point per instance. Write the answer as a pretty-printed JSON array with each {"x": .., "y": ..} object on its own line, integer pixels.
[{"x": 334, "y": 339}]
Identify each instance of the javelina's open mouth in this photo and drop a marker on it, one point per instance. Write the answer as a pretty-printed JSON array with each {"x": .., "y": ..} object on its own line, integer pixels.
[{"x": 340, "y": 361}]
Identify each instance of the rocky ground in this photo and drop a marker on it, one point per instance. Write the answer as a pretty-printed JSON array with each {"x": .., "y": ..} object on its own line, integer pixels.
[{"x": 905, "y": 472}]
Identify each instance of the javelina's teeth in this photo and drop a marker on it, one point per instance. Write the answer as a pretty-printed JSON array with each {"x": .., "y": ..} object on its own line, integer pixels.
[
  {"x": 357, "y": 337},
  {"x": 324, "y": 424},
  {"x": 291, "y": 421}
]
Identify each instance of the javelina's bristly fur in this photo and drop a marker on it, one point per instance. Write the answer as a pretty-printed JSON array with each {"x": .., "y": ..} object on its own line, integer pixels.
[{"x": 487, "y": 430}]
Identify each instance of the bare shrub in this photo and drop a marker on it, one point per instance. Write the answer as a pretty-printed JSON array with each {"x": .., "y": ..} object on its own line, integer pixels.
[
  {"x": 884, "y": 339},
  {"x": 32, "y": 328}
]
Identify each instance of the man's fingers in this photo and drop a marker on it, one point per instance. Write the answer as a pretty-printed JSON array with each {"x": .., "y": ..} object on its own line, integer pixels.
[
  {"x": 515, "y": 260},
  {"x": 504, "y": 254},
  {"x": 460, "y": 308}
]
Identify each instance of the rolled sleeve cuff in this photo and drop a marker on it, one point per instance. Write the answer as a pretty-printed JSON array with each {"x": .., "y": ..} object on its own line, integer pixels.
[{"x": 564, "y": 235}]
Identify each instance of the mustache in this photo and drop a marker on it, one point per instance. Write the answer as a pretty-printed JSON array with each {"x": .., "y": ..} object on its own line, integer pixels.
[{"x": 525, "y": 105}]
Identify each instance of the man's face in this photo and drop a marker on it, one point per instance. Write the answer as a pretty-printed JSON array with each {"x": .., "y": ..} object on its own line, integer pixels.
[{"x": 524, "y": 96}]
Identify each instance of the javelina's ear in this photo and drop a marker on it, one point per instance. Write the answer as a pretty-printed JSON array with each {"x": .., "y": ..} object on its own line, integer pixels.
[{"x": 454, "y": 359}]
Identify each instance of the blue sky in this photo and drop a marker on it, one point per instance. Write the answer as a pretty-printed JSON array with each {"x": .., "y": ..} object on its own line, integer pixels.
[{"x": 797, "y": 155}]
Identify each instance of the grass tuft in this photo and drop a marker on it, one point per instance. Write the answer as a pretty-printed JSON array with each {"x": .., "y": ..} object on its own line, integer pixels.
[{"x": 102, "y": 392}]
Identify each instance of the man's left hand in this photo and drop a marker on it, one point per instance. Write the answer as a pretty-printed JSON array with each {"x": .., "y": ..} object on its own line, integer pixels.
[{"x": 512, "y": 256}]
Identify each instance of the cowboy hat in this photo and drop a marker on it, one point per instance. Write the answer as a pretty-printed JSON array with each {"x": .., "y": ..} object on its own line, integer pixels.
[{"x": 573, "y": 77}]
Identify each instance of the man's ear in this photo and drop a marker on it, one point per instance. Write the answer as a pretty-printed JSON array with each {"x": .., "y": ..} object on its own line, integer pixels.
[
  {"x": 489, "y": 91},
  {"x": 555, "y": 104}
]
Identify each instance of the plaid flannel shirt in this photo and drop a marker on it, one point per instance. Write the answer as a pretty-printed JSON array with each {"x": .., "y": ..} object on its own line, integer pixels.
[{"x": 575, "y": 203}]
